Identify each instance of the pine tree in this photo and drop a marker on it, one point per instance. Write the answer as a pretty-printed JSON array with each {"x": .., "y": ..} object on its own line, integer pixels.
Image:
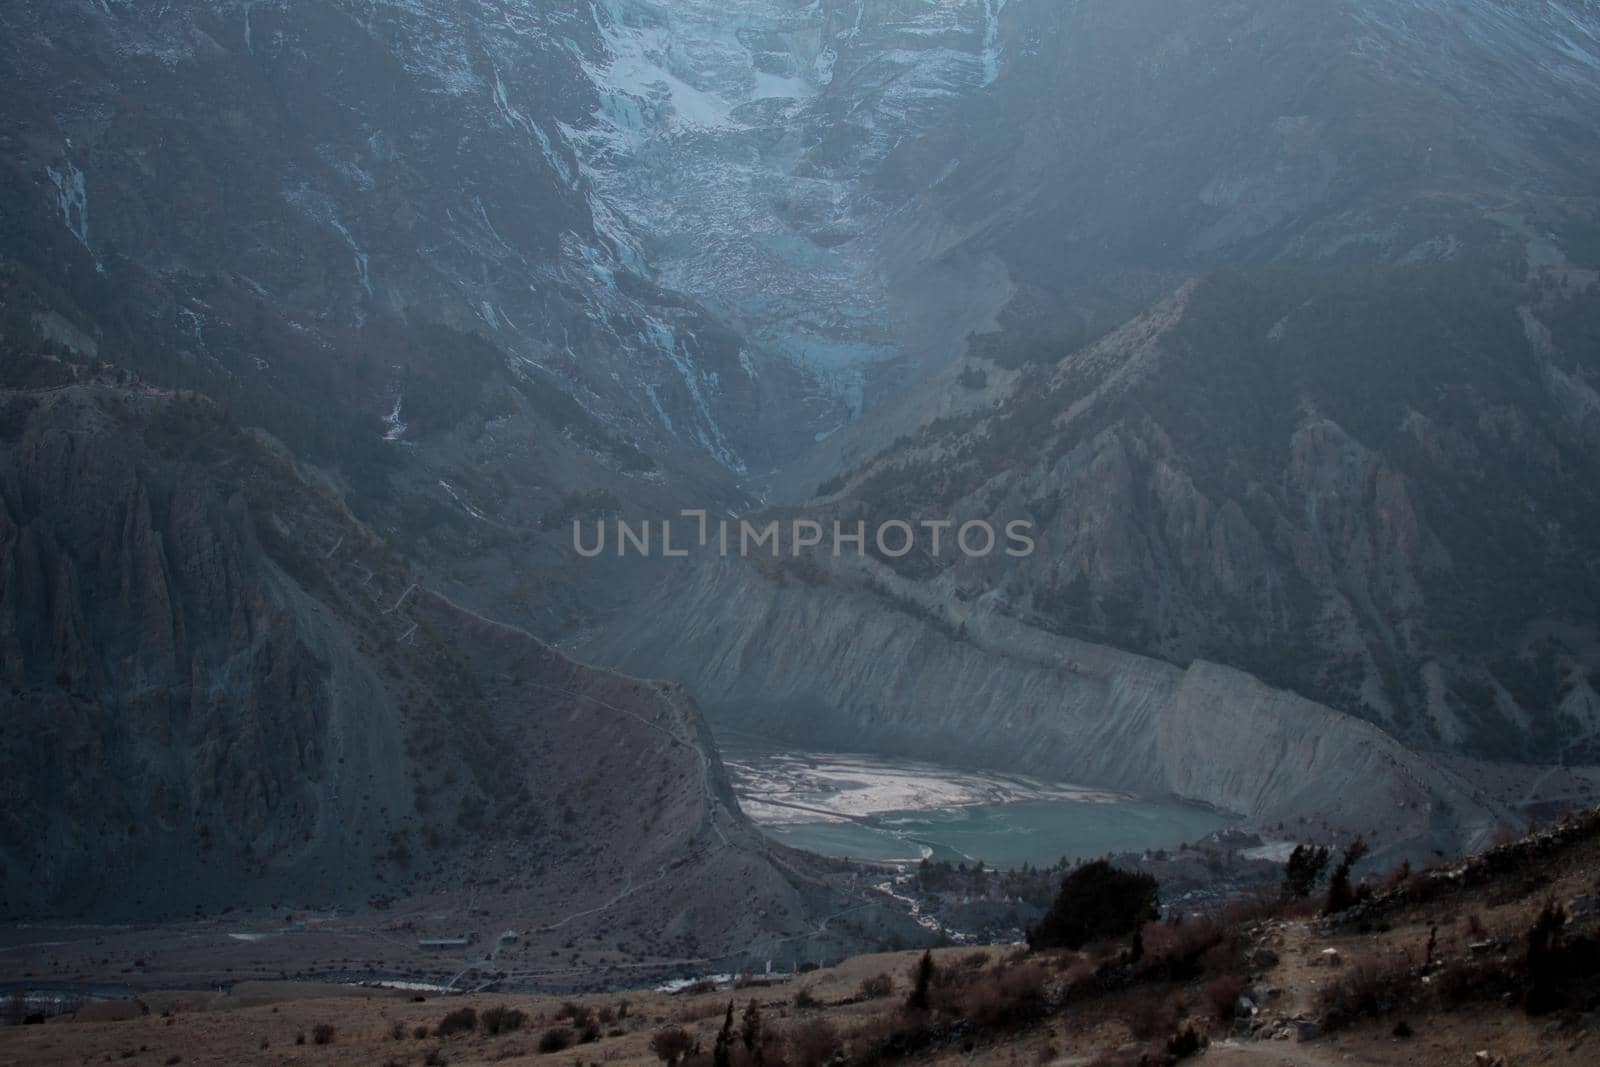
[
  {"x": 921, "y": 979},
  {"x": 750, "y": 1031},
  {"x": 722, "y": 1051},
  {"x": 1304, "y": 870},
  {"x": 1340, "y": 895}
]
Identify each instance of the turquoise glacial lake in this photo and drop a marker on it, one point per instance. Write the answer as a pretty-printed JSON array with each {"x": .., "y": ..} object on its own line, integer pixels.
[{"x": 886, "y": 810}]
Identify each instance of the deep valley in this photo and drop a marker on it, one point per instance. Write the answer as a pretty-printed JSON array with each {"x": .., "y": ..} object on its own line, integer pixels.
[{"x": 326, "y": 326}]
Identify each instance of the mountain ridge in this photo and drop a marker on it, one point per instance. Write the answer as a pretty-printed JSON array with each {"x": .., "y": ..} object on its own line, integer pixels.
[{"x": 318, "y": 728}]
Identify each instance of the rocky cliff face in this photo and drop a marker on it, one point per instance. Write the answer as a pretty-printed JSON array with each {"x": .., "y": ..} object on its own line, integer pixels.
[
  {"x": 1277, "y": 320},
  {"x": 222, "y": 690},
  {"x": 1124, "y": 148},
  {"x": 1370, "y": 489},
  {"x": 857, "y": 658},
  {"x": 279, "y": 197},
  {"x": 1353, "y": 454}
]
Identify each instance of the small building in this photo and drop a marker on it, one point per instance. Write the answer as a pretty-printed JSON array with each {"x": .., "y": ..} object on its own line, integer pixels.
[
  {"x": 440, "y": 943},
  {"x": 508, "y": 937}
]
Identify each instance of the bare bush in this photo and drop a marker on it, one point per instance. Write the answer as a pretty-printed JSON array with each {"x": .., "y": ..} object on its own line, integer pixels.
[
  {"x": 555, "y": 1040},
  {"x": 1006, "y": 996},
  {"x": 814, "y": 1043},
  {"x": 460, "y": 1021},
  {"x": 1221, "y": 997},
  {"x": 1367, "y": 989},
  {"x": 671, "y": 1044},
  {"x": 500, "y": 1019},
  {"x": 1152, "y": 1012},
  {"x": 876, "y": 987}
]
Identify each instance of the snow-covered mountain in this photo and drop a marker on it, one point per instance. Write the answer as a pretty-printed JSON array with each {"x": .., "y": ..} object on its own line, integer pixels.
[
  {"x": 742, "y": 143},
  {"x": 1277, "y": 316},
  {"x": 666, "y": 211},
  {"x": 1296, "y": 368}
]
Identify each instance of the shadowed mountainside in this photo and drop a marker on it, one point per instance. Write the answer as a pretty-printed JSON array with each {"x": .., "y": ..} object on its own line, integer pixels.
[{"x": 225, "y": 691}]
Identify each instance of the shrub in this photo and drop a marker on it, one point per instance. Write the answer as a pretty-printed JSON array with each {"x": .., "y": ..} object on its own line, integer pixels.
[
  {"x": 889, "y": 1037},
  {"x": 814, "y": 1043},
  {"x": 1174, "y": 950},
  {"x": 581, "y": 1015},
  {"x": 555, "y": 1040},
  {"x": 421, "y": 1032},
  {"x": 1397, "y": 876},
  {"x": 876, "y": 988},
  {"x": 1185, "y": 1043},
  {"x": 397, "y": 1032},
  {"x": 1222, "y": 997},
  {"x": 500, "y": 1019},
  {"x": 672, "y": 1044},
  {"x": 460, "y": 1021},
  {"x": 322, "y": 1033},
  {"x": 1006, "y": 996},
  {"x": 804, "y": 998},
  {"x": 1153, "y": 1012},
  {"x": 435, "y": 1058},
  {"x": 697, "y": 1011},
  {"x": 1562, "y": 970},
  {"x": 1365, "y": 990},
  {"x": 1096, "y": 901}
]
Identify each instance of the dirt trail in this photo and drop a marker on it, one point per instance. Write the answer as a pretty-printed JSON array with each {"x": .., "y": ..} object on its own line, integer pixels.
[
  {"x": 1295, "y": 974},
  {"x": 1258, "y": 1053}
]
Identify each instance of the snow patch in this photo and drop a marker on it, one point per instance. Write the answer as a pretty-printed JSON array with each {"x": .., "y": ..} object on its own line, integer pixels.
[
  {"x": 517, "y": 119},
  {"x": 661, "y": 412},
  {"x": 823, "y": 65},
  {"x": 708, "y": 432},
  {"x": 991, "y": 39},
  {"x": 395, "y": 429},
  {"x": 361, "y": 257},
  {"x": 73, "y": 198},
  {"x": 468, "y": 508}
]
